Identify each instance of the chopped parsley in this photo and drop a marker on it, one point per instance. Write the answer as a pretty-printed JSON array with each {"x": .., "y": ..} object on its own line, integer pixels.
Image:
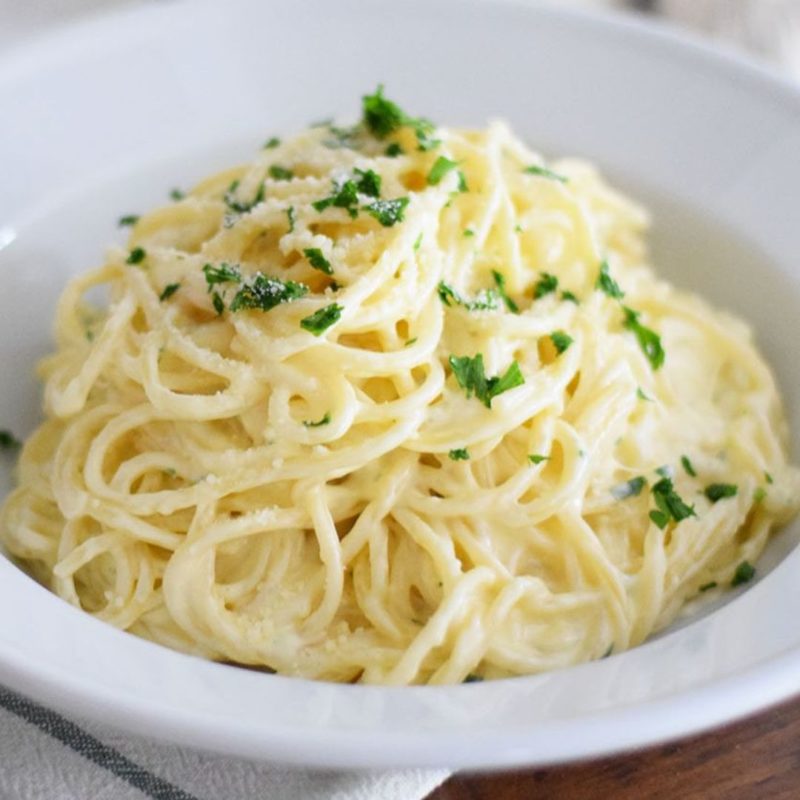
[
  {"x": 224, "y": 273},
  {"x": 631, "y": 488},
  {"x": 459, "y": 454},
  {"x": 471, "y": 376},
  {"x": 344, "y": 195},
  {"x": 128, "y": 220},
  {"x": 500, "y": 283},
  {"x": 218, "y": 303},
  {"x": 319, "y": 423},
  {"x": 272, "y": 143},
  {"x": 382, "y": 117},
  {"x": 280, "y": 173},
  {"x": 570, "y": 297},
  {"x": 759, "y": 495},
  {"x": 605, "y": 283},
  {"x": 417, "y": 243},
  {"x": 368, "y": 183},
  {"x": 462, "y": 182},
  {"x": 561, "y": 341},
  {"x": 136, "y": 256},
  {"x": 543, "y": 172},
  {"x": 468, "y": 232},
  {"x": 168, "y": 291},
  {"x": 768, "y": 477},
  {"x": 545, "y": 285},
  {"x": 239, "y": 206},
  {"x": 291, "y": 217},
  {"x": 665, "y": 471},
  {"x": 318, "y": 322},
  {"x": 649, "y": 341},
  {"x": 535, "y": 458},
  {"x": 642, "y": 396},
  {"x": 710, "y": 585},
  {"x": 670, "y": 504},
  {"x": 264, "y": 293},
  {"x": 687, "y": 465},
  {"x": 8, "y": 441},
  {"x": 388, "y": 212},
  {"x": 744, "y": 573},
  {"x": 719, "y": 491},
  {"x": 409, "y": 342},
  {"x": 484, "y": 301},
  {"x": 317, "y": 260},
  {"x": 394, "y": 150},
  {"x": 441, "y": 167},
  {"x": 177, "y": 194}
]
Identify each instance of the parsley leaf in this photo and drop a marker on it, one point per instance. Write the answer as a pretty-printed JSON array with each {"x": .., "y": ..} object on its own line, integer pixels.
[
  {"x": 710, "y": 585},
  {"x": 240, "y": 206},
  {"x": 394, "y": 150},
  {"x": 272, "y": 143},
  {"x": 642, "y": 396},
  {"x": 468, "y": 232},
  {"x": 317, "y": 260},
  {"x": 769, "y": 478},
  {"x": 324, "y": 421},
  {"x": 440, "y": 168},
  {"x": 605, "y": 283},
  {"x": 470, "y": 374},
  {"x": 535, "y": 458},
  {"x": 218, "y": 303},
  {"x": 344, "y": 195},
  {"x": 561, "y": 341},
  {"x": 631, "y": 488},
  {"x": 649, "y": 341},
  {"x": 543, "y": 172},
  {"x": 291, "y": 217},
  {"x": 744, "y": 573},
  {"x": 500, "y": 283},
  {"x": 264, "y": 293},
  {"x": 318, "y": 322},
  {"x": 8, "y": 441},
  {"x": 169, "y": 290},
  {"x": 545, "y": 285},
  {"x": 719, "y": 491},
  {"x": 177, "y": 194},
  {"x": 661, "y": 518},
  {"x": 484, "y": 301},
  {"x": 388, "y": 212},
  {"x": 368, "y": 183},
  {"x": 759, "y": 494},
  {"x": 280, "y": 173},
  {"x": 570, "y": 297},
  {"x": 670, "y": 504},
  {"x": 136, "y": 256},
  {"x": 687, "y": 465},
  {"x": 417, "y": 243},
  {"x": 128, "y": 220},
  {"x": 224, "y": 273},
  {"x": 460, "y": 454},
  {"x": 382, "y": 117}
]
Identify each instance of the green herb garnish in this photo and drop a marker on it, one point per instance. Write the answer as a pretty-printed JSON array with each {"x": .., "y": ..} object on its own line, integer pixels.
[
  {"x": 394, "y": 150},
  {"x": 224, "y": 273},
  {"x": 744, "y": 573},
  {"x": 168, "y": 291},
  {"x": 759, "y": 495},
  {"x": 768, "y": 478},
  {"x": 642, "y": 396},
  {"x": 670, "y": 504},
  {"x": 570, "y": 297},
  {"x": 388, "y": 212},
  {"x": 272, "y": 143},
  {"x": 382, "y": 117},
  {"x": 561, "y": 341},
  {"x": 417, "y": 243},
  {"x": 324, "y": 421},
  {"x": 291, "y": 217},
  {"x": 472, "y": 678},
  {"x": 631, "y": 488},
  {"x": 605, "y": 283},
  {"x": 545, "y": 285},
  {"x": 280, "y": 173},
  {"x": 719, "y": 491},
  {"x": 177, "y": 194},
  {"x": 460, "y": 454},
  {"x": 136, "y": 256},
  {"x": 240, "y": 206},
  {"x": 649, "y": 341},
  {"x": 368, "y": 183},
  {"x": 710, "y": 585},
  {"x": 687, "y": 465},
  {"x": 264, "y": 293},
  {"x": 318, "y": 322},
  {"x": 543, "y": 172},
  {"x": 471, "y": 376},
  {"x": 218, "y": 303},
  {"x": 500, "y": 283},
  {"x": 344, "y": 195},
  {"x": 8, "y": 441},
  {"x": 535, "y": 458},
  {"x": 128, "y": 220},
  {"x": 441, "y": 167},
  {"x": 317, "y": 260},
  {"x": 484, "y": 301}
]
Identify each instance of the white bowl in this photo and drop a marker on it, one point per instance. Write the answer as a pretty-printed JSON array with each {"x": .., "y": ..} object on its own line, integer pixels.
[{"x": 104, "y": 118}]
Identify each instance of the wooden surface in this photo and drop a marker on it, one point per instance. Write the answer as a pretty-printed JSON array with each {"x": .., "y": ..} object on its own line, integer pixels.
[{"x": 757, "y": 758}]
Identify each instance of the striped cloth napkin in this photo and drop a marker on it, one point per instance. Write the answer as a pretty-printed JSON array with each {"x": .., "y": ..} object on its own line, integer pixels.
[{"x": 44, "y": 756}]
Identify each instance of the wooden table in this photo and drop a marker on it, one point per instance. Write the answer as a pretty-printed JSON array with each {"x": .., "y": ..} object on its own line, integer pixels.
[{"x": 755, "y": 759}]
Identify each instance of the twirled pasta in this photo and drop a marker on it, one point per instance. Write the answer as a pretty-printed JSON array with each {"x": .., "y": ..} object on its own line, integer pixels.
[{"x": 352, "y": 502}]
